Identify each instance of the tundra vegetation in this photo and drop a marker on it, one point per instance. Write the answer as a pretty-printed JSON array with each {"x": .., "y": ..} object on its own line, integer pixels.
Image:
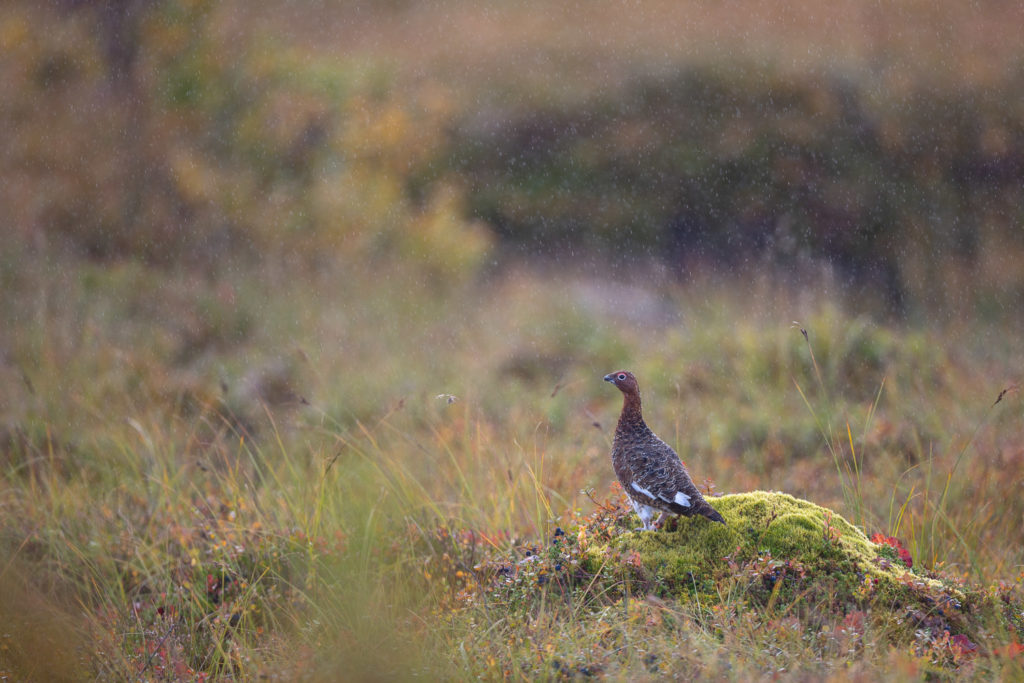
[{"x": 306, "y": 308}]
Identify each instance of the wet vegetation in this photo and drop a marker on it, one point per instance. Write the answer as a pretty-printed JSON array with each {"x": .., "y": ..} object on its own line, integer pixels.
[{"x": 305, "y": 313}]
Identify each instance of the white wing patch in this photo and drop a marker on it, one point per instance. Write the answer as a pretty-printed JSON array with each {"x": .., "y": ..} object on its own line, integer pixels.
[
  {"x": 681, "y": 499},
  {"x": 641, "y": 489}
]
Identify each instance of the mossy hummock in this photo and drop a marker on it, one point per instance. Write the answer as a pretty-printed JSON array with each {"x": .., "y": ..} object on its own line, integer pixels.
[
  {"x": 805, "y": 539},
  {"x": 777, "y": 551}
]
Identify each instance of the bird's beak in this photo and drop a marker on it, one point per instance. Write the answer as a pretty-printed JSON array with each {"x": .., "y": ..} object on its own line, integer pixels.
[{"x": 609, "y": 378}]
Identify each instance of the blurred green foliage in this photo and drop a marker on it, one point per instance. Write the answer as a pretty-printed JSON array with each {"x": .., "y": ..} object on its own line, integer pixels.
[{"x": 732, "y": 163}]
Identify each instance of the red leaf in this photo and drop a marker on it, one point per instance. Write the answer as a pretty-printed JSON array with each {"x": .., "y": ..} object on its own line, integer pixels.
[{"x": 903, "y": 553}]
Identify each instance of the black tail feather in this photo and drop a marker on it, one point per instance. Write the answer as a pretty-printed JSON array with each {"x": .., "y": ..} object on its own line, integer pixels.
[
  {"x": 710, "y": 512},
  {"x": 702, "y": 508}
]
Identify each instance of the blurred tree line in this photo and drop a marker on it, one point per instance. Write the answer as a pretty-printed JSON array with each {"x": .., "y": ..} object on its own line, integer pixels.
[
  {"x": 143, "y": 129},
  {"x": 916, "y": 191}
]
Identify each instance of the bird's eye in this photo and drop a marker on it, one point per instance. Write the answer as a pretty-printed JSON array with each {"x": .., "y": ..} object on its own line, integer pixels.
[{"x": 621, "y": 376}]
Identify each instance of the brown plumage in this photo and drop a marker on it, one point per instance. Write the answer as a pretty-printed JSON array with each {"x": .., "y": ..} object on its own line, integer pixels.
[{"x": 650, "y": 472}]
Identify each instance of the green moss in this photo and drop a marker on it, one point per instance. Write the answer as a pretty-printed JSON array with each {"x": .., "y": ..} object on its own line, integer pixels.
[
  {"x": 756, "y": 523},
  {"x": 769, "y": 536},
  {"x": 779, "y": 552}
]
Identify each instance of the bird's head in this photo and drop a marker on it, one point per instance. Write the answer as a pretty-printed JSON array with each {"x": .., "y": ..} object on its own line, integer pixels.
[{"x": 625, "y": 381}]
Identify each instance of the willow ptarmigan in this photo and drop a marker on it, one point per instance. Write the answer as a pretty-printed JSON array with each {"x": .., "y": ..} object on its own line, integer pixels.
[{"x": 650, "y": 472}]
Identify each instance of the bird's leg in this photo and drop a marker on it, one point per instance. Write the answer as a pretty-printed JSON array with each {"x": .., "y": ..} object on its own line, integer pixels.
[
  {"x": 645, "y": 513},
  {"x": 660, "y": 520}
]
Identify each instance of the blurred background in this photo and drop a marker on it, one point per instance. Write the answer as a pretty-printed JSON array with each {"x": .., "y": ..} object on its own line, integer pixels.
[
  {"x": 882, "y": 144},
  {"x": 430, "y": 226}
]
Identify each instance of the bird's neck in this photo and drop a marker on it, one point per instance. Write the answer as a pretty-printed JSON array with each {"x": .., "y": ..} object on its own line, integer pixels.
[{"x": 631, "y": 415}]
